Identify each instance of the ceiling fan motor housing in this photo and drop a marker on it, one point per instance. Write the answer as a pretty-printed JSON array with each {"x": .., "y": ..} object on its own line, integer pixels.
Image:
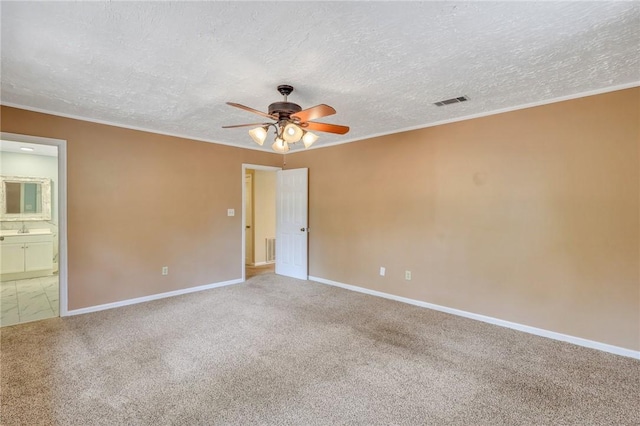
[{"x": 284, "y": 109}]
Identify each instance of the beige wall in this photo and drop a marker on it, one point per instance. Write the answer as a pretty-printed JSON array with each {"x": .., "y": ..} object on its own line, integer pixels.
[
  {"x": 530, "y": 216},
  {"x": 138, "y": 201}
]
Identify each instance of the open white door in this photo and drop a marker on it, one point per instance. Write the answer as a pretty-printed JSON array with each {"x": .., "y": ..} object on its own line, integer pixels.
[{"x": 291, "y": 223}]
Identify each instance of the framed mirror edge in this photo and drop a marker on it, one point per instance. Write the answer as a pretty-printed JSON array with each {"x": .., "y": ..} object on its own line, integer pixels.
[{"x": 45, "y": 215}]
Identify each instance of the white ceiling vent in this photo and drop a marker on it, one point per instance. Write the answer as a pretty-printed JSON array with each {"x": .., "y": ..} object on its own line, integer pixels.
[{"x": 452, "y": 101}]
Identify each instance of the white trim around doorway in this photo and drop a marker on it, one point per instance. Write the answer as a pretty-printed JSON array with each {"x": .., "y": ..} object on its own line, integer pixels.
[
  {"x": 244, "y": 172},
  {"x": 62, "y": 208}
]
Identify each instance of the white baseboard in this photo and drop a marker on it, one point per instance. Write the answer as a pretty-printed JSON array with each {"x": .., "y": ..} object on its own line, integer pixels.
[
  {"x": 150, "y": 298},
  {"x": 520, "y": 327}
]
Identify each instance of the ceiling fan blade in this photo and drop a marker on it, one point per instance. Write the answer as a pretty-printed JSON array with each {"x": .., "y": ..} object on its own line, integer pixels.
[
  {"x": 255, "y": 111},
  {"x": 312, "y": 113},
  {"x": 243, "y": 125},
  {"x": 325, "y": 127}
]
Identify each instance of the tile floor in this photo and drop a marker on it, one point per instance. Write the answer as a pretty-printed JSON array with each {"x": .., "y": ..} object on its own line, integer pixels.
[{"x": 28, "y": 300}]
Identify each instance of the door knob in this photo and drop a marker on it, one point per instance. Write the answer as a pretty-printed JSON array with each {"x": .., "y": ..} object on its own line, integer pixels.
[{"x": 303, "y": 229}]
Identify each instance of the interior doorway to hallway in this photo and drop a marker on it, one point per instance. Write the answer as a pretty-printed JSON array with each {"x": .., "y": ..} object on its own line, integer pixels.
[{"x": 259, "y": 218}]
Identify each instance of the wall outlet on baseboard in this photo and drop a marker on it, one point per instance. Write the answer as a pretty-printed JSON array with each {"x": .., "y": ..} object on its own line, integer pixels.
[
  {"x": 382, "y": 271},
  {"x": 165, "y": 270},
  {"x": 407, "y": 275}
]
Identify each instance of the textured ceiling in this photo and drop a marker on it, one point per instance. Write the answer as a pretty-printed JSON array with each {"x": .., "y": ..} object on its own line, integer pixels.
[{"x": 170, "y": 67}]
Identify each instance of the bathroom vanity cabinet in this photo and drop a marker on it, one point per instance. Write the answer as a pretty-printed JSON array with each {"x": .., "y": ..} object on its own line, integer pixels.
[{"x": 26, "y": 255}]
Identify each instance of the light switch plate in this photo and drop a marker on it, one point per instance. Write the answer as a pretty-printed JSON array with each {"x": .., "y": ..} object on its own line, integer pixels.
[{"x": 231, "y": 212}]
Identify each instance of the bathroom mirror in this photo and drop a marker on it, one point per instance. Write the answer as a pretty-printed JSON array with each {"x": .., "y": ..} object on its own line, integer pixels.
[{"x": 25, "y": 198}]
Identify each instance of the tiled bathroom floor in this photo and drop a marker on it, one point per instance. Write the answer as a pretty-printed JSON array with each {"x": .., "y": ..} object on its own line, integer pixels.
[{"x": 28, "y": 300}]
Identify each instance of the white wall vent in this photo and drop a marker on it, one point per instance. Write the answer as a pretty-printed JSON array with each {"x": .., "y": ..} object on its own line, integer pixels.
[{"x": 271, "y": 249}]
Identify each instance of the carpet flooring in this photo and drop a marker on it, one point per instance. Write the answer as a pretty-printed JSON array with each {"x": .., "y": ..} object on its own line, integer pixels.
[{"x": 275, "y": 350}]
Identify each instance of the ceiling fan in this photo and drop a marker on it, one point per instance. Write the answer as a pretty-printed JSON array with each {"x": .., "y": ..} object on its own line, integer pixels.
[{"x": 291, "y": 123}]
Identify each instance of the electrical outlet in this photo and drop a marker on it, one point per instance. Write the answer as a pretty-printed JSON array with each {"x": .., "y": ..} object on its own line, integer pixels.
[
  {"x": 231, "y": 212},
  {"x": 407, "y": 275},
  {"x": 382, "y": 271},
  {"x": 165, "y": 270}
]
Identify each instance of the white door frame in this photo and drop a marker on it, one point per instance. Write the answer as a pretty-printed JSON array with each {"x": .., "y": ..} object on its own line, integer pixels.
[
  {"x": 249, "y": 239},
  {"x": 244, "y": 236},
  {"x": 62, "y": 209}
]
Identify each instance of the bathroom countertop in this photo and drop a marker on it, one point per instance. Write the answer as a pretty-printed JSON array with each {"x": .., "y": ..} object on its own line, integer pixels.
[{"x": 10, "y": 232}]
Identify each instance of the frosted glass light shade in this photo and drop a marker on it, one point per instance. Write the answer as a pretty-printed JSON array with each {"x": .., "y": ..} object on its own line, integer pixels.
[
  {"x": 280, "y": 146},
  {"x": 308, "y": 139},
  {"x": 259, "y": 134},
  {"x": 292, "y": 133}
]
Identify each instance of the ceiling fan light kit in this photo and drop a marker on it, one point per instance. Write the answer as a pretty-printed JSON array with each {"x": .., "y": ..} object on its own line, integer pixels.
[
  {"x": 292, "y": 133},
  {"x": 280, "y": 146},
  {"x": 291, "y": 122},
  {"x": 308, "y": 139},
  {"x": 259, "y": 134}
]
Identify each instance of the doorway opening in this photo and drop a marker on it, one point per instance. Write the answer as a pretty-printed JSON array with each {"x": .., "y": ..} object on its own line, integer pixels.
[
  {"x": 33, "y": 267},
  {"x": 259, "y": 219}
]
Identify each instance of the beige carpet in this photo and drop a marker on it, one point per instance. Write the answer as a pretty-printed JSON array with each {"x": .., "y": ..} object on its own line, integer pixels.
[{"x": 282, "y": 351}]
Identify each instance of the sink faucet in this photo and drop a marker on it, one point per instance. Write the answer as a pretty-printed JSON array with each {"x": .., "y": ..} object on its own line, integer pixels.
[{"x": 24, "y": 229}]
